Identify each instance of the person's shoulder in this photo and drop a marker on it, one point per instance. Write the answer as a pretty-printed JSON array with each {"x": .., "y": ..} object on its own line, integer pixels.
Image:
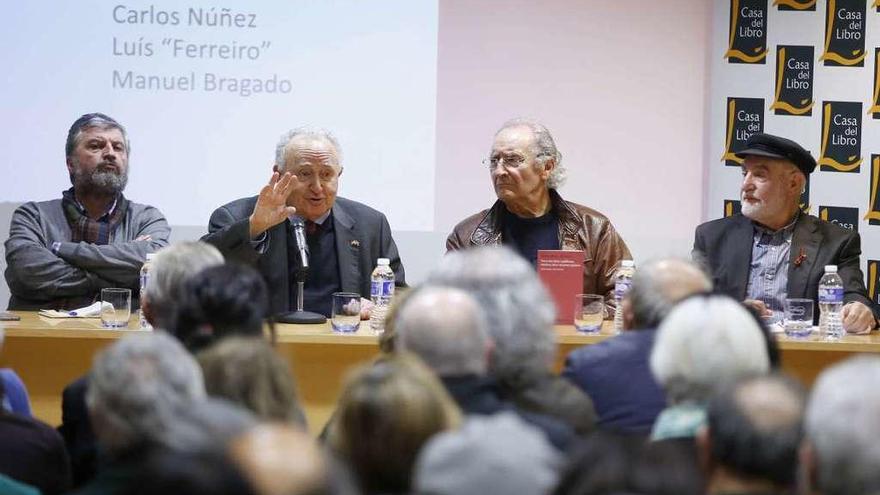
[
  {"x": 240, "y": 206},
  {"x": 720, "y": 224},
  {"x": 18, "y": 424},
  {"x": 586, "y": 212},
  {"x": 470, "y": 222},
  {"x": 359, "y": 210},
  {"x": 611, "y": 349},
  {"x": 828, "y": 229},
  {"x": 39, "y": 207}
]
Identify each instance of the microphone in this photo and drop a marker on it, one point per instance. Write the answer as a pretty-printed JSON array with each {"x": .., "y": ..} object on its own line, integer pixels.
[{"x": 299, "y": 233}]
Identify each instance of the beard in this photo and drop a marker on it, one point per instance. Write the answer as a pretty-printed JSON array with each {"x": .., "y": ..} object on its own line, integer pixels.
[{"x": 101, "y": 180}]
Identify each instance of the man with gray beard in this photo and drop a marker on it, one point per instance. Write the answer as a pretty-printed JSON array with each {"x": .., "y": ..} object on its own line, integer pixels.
[
  {"x": 774, "y": 250},
  {"x": 61, "y": 253}
]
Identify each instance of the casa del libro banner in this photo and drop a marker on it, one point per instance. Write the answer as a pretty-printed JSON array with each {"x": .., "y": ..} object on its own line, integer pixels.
[{"x": 808, "y": 70}]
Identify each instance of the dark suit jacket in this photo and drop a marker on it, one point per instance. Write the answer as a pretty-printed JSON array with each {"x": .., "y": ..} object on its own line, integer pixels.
[
  {"x": 725, "y": 245},
  {"x": 615, "y": 373},
  {"x": 362, "y": 236}
]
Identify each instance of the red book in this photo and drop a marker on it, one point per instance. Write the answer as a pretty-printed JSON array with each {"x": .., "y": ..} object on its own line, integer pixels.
[{"x": 562, "y": 272}]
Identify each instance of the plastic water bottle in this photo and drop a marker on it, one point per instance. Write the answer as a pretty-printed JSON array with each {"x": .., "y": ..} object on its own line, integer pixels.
[
  {"x": 830, "y": 304},
  {"x": 381, "y": 292},
  {"x": 622, "y": 283},
  {"x": 145, "y": 279}
]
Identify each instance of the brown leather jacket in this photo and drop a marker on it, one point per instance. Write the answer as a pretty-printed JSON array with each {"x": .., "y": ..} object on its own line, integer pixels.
[{"x": 580, "y": 229}]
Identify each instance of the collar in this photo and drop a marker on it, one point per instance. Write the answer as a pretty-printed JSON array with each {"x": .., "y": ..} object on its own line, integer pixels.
[
  {"x": 82, "y": 209},
  {"x": 786, "y": 231},
  {"x": 320, "y": 220}
]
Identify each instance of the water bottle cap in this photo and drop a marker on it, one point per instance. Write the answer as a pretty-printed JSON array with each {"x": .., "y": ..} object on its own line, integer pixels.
[
  {"x": 627, "y": 263},
  {"x": 383, "y": 261},
  {"x": 150, "y": 256},
  {"x": 830, "y": 268}
]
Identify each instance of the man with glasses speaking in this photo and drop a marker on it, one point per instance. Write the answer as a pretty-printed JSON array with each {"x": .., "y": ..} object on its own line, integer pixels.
[
  {"x": 344, "y": 237},
  {"x": 530, "y": 215}
]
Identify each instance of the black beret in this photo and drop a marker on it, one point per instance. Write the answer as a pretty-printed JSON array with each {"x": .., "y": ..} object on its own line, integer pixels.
[{"x": 761, "y": 144}]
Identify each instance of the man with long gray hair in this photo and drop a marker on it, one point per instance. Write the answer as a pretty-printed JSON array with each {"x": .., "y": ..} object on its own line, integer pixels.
[
  {"x": 530, "y": 215},
  {"x": 61, "y": 253},
  {"x": 520, "y": 318},
  {"x": 344, "y": 238}
]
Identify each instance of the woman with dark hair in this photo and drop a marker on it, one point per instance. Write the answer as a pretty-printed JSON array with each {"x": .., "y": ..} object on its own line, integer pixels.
[{"x": 221, "y": 300}]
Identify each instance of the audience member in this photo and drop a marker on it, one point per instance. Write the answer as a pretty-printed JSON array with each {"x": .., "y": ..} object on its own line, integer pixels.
[
  {"x": 615, "y": 373},
  {"x": 840, "y": 454},
  {"x": 447, "y": 330},
  {"x": 520, "y": 316},
  {"x": 170, "y": 269},
  {"x": 750, "y": 443},
  {"x": 61, "y": 253},
  {"x": 490, "y": 454},
  {"x": 344, "y": 237},
  {"x": 703, "y": 343},
  {"x": 219, "y": 301},
  {"x": 138, "y": 389},
  {"x": 386, "y": 413},
  {"x": 188, "y": 473},
  {"x": 247, "y": 371},
  {"x": 13, "y": 394},
  {"x": 33, "y": 453}
]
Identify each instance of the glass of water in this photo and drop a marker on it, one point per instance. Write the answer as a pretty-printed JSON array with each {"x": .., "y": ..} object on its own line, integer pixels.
[
  {"x": 798, "y": 322},
  {"x": 589, "y": 312},
  {"x": 115, "y": 307},
  {"x": 346, "y": 312}
]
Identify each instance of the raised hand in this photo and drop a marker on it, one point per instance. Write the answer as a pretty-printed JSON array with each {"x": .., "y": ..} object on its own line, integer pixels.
[{"x": 271, "y": 208}]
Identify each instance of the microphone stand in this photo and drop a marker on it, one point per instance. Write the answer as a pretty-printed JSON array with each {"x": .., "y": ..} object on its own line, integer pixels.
[{"x": 299, "y": 316}]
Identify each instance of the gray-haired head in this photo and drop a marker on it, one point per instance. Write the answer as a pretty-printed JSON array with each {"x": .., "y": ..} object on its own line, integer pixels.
[
  {"x": 289, "y": 140},
  {"x": 544, "y": 149},
  {"x": 704, "y": 343},
  {"x": 90, "y": 120},
  {"x": 657, "y": 285},
  {"x": 137, "y": 389},
  {"x": 842, "y": 427},
  {"x": 755, "y": 428},
  {"x": 446, "y": 328},
  {"x": 517, "y": 307},
  {"x": 170, "y": 269},
  {"x": 209, "y": 425}
]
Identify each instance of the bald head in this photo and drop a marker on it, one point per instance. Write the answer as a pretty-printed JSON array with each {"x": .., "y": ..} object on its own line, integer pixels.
[
  {"x": 281, "y": 460},
  {"x": 658, "y": 285},
  {"x": 446, "y": 328}
]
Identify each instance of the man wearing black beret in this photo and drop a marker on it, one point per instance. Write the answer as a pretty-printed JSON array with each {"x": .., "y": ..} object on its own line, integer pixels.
[{"x": 773, "y": 250}]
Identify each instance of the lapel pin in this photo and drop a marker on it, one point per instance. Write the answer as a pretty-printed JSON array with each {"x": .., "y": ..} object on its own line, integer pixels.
[
  {"x": 355, "y": 243},
  {"x": 801, "y": 257}
]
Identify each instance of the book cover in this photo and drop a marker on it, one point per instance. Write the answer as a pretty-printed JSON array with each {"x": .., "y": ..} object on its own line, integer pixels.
[{"x": 562, "y": 272}]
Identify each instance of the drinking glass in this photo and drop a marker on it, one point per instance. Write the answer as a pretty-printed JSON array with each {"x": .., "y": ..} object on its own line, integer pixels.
[
  {"x": 346, "y": 312},
  {"x": 589, "y": 312},
  {"x": 115, "y": 307},
  {"x": 798, "y": 321}
]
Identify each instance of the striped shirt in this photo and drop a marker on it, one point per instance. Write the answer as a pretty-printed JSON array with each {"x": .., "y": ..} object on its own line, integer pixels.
[{"x": 768, "y": 271}]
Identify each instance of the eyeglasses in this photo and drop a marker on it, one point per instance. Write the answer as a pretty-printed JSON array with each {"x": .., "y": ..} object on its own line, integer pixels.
[{"x": 509, "y": 161}]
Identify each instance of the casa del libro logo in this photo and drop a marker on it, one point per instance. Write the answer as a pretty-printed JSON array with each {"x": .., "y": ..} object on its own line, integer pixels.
[
  {"x": 748, "y": 32},
  {"x": 793, "y": 92},
  {"x": 841, "y": 136},
  {"x": 844, "y": 33},
  {"x": 745, "y": 116},
  {"x": 784, "y": 5}
]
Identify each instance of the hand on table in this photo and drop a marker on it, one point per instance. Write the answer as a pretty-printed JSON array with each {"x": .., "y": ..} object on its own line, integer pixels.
[
  {"x": 857, "y": 318},
  {"x": 271, "y": 208},
  {"x": 366, "y": 307},
  {"x": 758, "y": 306}
]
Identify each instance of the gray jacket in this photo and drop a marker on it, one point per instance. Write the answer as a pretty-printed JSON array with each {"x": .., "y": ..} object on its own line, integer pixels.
[{"x": 37, "y": 276}]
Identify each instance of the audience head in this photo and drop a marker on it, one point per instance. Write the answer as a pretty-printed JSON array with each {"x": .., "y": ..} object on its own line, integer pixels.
[
  {"x": 247, "y": 371},
  {"x": 97, "y": 151},
  {"x": 387, "y": 411},
  {"x": 170, "y": 269},
  {"x": 281, "y": 460},
  {"x": 220, "y": 301},
  {"x": 488, "y": 454},
  {"x": 841, "y": 453},
  {"x": 657, "y": 286},
  {"x": 446, "y": 329},
  {"x": 754, "y": 428},
  {"x": 704, "y": 342},
  {"x": 517, "y": 307},
  {"x": 138, "y": 388}
]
